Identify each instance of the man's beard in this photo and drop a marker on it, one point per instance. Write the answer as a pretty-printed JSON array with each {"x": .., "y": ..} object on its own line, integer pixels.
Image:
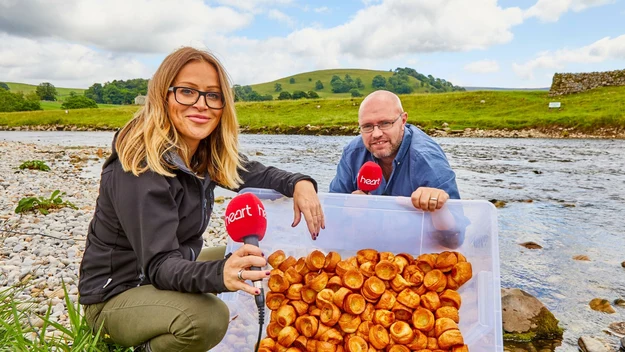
[{"x": 393, "y": 150}]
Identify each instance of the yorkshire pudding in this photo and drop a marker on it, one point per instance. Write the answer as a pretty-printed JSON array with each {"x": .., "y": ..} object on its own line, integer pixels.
[
  {"x": 285, "y": 315},
  {"x": 401, "y": 332},
  {"x": 349, "y": 323},
  {"x": 277, "y": 282},
  {"x": 423, "y": 319},
  {"x": 315, "y": 260},
  {"x": 386, "y": 270},
  {"x": 367, "y": 255},
  {"x": 435, "y": 280},
  {"x": 274, "y": 300},
  {"x": 319, "y": 282},
  {"x": 330, "y": 314},
  {"x": 367, "y": 269},
  {"x": 335, "y": 283},
  {"x": 450, "y": 298},
  {"x": 307, "y": 325},
  {"x": 301, "y": 307},
  {"x": 276, "y": 258},
  {"x": 292, "y": 276},
  {"x": 378, "y": 337},
  {"x": 289, "y": 262},
  {"x": 448, "y": 312},
  {"x": 373, "y": 288},
  {"x": 294, "y": 292},
  {"x": 430, "y": 300},
  {"x": 402, "y": 312},
  {"x": 426, "y": 262},
  {"x": 409, "y": 298},
  {"x": 450, "y": 338},
  {"x": 332, "y": 258},
  {"x": 353, "y": 279},
  {"x": 354, "y": 304},
  {"x": 383, "y": 317},
  {"x": 444, "y": 324},
  {"x": 356, "y": 344},
  {"x": 462, "y": 272},
  {"x": 386, "y": 301},
  {"x": 445, "y": 261}
]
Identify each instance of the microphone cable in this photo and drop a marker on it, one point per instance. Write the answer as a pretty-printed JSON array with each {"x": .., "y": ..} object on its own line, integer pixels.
[{"x": 260, "y": 304}]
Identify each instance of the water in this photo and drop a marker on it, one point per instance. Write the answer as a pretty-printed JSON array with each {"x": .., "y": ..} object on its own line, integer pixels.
[{"x": 577, "y": 194}]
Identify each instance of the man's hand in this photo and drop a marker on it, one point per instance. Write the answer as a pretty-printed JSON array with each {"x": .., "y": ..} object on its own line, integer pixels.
[
  {"x": 359, "y": 192},
  {"x": 305, "y": 201},
  {"x": 429, "y": 199}
]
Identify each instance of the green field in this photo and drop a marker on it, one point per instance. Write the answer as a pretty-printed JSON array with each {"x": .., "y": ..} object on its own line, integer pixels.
[
  {"x": 56, "y": 105},
  {"x": 306, "y": 82},
  {"x": 27, "y": 88},
  {"x": 602, "y": 107}
]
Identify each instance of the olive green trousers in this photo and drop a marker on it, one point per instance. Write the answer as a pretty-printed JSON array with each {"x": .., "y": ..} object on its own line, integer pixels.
[{"x": 169, "y": 320}]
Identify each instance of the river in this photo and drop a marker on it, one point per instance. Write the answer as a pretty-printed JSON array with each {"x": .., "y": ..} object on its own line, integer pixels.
[{"x": 577, "y": 193}]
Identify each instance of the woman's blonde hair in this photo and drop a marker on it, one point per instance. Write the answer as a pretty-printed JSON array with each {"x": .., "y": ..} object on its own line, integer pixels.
[{"x": 143, "y": 142}]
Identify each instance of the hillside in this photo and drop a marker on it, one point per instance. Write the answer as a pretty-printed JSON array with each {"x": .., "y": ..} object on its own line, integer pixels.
[
  {"x": 306, "y": 82},
  {"x": 488, "y": 110},
  {"x": 27, "y": 88}
]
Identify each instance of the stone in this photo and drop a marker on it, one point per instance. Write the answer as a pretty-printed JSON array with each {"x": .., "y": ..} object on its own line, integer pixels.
[
  {"x": 531, "y": 245},
  {"x": 622, "y": 349},
  {"x": 592, "y": 344},
  {"x": 619, "y": 302},
  {"x": 581, "y": 257},
  {"x": 617, "y": 328},
  {"x": 525, "y": 318},
  {"x": 601, "y": 305}
]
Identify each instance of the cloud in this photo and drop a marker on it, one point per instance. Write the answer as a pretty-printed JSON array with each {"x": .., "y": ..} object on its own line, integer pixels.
[
  {"x": 323, "y": 9},
  {"x": 254, "y": 6},
  {"x": 281, "y": 17},
  {"x": 551, "y": 10},
  {"x": 140, "y": 26},
  {"x": 67, "y": 65},
  {"x": 602, "y": 50},
  {"x": 483, "y": 66}
]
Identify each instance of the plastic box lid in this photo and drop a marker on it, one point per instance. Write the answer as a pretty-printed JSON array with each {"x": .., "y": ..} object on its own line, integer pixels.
[{"x": 385, "y": 223}]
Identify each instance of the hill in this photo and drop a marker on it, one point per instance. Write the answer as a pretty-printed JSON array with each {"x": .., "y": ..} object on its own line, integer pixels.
[
  {"x": 489, "y": 110},
  {"x": 27, "y": 88},
  {"x": 306, "y": 82},
  {"x": 470, "y": 89}
]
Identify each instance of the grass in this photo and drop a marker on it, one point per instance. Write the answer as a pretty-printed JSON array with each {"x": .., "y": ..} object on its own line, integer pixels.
[
  {"x": 56, "y": 105},
  {"x": 513, "y": 110},
  {"x": 19, "y": 332},
  {"x": 306, "y": 82}
]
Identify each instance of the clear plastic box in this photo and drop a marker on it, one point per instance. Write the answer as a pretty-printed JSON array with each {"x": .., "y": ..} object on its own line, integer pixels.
[{"x": 354, "y": 222}]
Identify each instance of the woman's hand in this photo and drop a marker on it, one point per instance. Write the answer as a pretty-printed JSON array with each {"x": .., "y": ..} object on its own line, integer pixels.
[
  {"x": 242, "y": 259},
  {"x": 305, "y": 201}
]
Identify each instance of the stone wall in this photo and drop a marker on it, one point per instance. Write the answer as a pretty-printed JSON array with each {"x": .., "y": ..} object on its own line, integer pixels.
[{"x": 568, "y": 83}]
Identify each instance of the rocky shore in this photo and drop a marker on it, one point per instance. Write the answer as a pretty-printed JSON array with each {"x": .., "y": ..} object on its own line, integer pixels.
[
  {"x": 43, "y": 251},
  {"x": 442, "y": 131}
]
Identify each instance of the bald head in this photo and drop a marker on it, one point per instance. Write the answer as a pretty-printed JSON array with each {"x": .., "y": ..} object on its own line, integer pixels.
[{"x": 380, "y": 100}]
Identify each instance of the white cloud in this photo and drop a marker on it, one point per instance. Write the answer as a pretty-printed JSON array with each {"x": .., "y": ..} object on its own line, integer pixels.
[
  {"x": 140, "y": 26},
  {"x": 66, "y": 65},
  {"x": 323, "y": 9},
  {"x": 483, "y": 66},
  {"x": 254, "y": 6},
  {"x": 281, "y": 17},
  {"x": 599, "y": 51},
  {"x": 551, "y": 10}
]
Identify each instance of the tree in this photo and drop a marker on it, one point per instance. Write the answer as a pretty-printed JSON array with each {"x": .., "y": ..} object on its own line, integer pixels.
[
  {"x": 18, "y": 102},
  {"x": 277, "y": 87},
  {"x": 355, "y": 93},
  {"x": 284, "y": 95},
  {"x": 292, "y": 80},
  {"x": 4, "y": 86},
  {"x": 298, "y": 94},
  {"x": 78, "y": 102},
  {"x": 312, "y": 94},
  {"x": 309, "y": 79},
  {"x": 95, "y": 92},
  {"x": 359, "y": 83},
  {"x": 46, "y": 91},
  {"x": 318, "y": 85},
  {"x": 378, "y": 82}
]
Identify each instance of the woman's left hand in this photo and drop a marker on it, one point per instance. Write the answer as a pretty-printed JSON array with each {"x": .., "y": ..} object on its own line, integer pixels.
[{"x": 305, "y": 201}]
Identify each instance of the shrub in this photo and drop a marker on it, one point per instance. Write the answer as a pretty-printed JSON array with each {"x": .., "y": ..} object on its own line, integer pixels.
[
  {"x": 43, "y": 204},
  {"x": 34, "y": 165},
  {"x": 78, "y": 102}
]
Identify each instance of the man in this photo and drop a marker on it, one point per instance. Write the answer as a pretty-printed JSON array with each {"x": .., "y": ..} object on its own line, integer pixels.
[{"x": 413, "y": 165}]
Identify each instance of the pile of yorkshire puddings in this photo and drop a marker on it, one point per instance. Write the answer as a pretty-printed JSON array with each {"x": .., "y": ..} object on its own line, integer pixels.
[{"x": 374, "y": 301}]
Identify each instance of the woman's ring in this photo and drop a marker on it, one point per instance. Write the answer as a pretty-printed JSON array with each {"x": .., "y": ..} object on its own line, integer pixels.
[
  {"x": 240, "y": 275},
  {"x": 434, "y": 199}
]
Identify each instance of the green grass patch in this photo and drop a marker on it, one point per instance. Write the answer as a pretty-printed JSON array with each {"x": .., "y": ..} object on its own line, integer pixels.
[
  {"x": 62, "y": 93},
  {"x": 514, "y": 110},
  {"x": 56, "y": 105}
]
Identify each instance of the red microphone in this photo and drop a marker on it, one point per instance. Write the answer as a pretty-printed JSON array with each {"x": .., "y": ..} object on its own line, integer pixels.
[
  {"x": 246, "y": 221},
  {"x": 369, "y": 177}
]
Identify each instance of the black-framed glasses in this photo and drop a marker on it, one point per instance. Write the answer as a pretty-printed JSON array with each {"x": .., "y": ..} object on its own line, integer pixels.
[
  {"x": 189, "y": 96},
  {"x": 384, "y": 125}
]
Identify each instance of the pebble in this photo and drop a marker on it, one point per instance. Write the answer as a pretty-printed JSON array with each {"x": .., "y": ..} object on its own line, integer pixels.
[{"x": 41, "y": 259}]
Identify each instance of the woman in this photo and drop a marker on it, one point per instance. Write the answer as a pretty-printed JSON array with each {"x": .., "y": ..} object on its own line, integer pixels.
[{"x": 142, "y": 278}]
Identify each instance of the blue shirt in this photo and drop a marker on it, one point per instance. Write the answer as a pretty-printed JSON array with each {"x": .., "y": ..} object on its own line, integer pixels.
[{"x": 420, "y": 162}]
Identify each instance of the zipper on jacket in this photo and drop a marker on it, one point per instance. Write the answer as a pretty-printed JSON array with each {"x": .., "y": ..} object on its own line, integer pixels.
[{"x": 107, "y": 282}]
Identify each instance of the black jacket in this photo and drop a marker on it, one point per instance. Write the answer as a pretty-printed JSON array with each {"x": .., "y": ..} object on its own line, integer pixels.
[{"x": 148, "y": 229}]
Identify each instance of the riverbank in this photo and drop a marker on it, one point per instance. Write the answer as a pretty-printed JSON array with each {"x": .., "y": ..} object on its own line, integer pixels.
[
  {"x": 556, "y": 132},
  {"x": 598, "y": 113}
]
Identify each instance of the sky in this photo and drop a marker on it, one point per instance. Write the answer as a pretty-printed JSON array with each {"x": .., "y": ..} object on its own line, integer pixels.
[{"x": 483, "y": 43}]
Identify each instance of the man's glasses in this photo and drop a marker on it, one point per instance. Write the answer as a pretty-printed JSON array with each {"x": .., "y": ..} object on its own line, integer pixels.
[
  {"x": 190, "y": 96},
  {"x": 384, "y": 125}
]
